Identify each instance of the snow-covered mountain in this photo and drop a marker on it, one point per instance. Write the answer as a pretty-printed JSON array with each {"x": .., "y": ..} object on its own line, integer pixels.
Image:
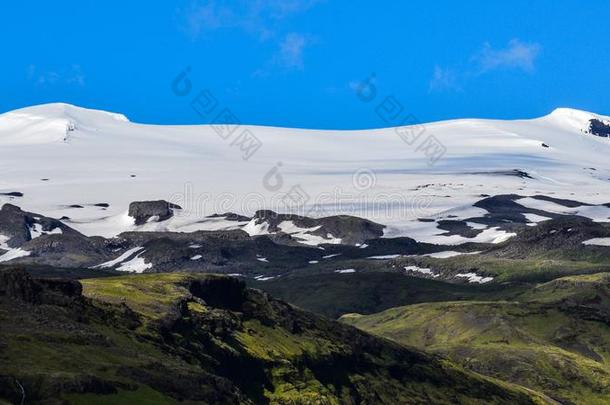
[{"x": 87, "y": 166}]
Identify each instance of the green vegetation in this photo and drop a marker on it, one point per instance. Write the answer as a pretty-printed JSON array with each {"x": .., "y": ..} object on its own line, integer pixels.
[
  {"x": 554, "y": 338},
  {"x": 333, "y": 295},
  {"x": 151, "y": 296},
  {"x": 142, "y": 396},
  {"x": 529, "y": 270},
  {"x": 205, "y": 339}
]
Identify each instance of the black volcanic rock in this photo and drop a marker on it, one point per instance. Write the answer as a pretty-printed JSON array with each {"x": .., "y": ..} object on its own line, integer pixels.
[
  {"x": 563, "y": 235},
  {"x": 17, "y": 225},
  {"x": 14, "y": 224},
  {"x": 504, "y": 211},
  {"x": 599, "y": 128},
  {"x": 351, "y": 230},
  {"x": 16, "y": 283},
  {"x": 231, "y": 216},
  {"x": 65, "y": 250},
  {"x": 142, "y": 211},
  {"x": 231, "y": 251}
]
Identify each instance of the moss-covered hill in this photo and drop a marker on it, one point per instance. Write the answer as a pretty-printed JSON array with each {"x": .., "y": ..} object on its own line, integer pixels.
[
  {"x": 335, "y": 294},
  {"x": 554, "y": 338},
  {"x": 204, "y": 339}
]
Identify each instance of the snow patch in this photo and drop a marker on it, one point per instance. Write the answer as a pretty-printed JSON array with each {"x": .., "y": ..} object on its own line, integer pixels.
[
  {"x": 305, "y": 236},
  {"x": 417, "y": 269},
  {"x": 135, "y": 265},
  {"x": 254, "y": 228},
  {"x": 534, "y": 219},
  {"x": 119, "y": 259},
  {"x": 36, "y": 231},
  {"x": 383, "y": 257},
  {"x": 597, "y": 242},
  {"x": 449, "y": 253},
  {"x": 597, "y": 213},
  {"x": 11, "y": 253},
  {"x": 264, "y": 278},
  {"x": 474, "y": 278}
]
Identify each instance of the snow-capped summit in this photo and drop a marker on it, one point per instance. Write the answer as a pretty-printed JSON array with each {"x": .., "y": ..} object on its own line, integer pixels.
[
  {"x": 577, "y": 119},
  {"x": 49, "y": 123},
  {"x": 66, "y": 159}
]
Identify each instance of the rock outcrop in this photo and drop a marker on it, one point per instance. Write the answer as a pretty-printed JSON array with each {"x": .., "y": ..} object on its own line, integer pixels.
[{"x": 145, "y": 211}]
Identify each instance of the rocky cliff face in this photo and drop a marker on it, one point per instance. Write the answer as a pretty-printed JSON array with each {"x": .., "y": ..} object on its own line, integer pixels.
[
  {"x": 599, "y": 128},
  {"x": 144, "y": 211}
]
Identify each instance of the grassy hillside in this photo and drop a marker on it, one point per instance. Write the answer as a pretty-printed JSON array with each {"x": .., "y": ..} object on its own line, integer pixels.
[
  {"x": 205, "y": 339},
  {"x": 336, "y": 294},
  {"x": 554, "y": 338}
]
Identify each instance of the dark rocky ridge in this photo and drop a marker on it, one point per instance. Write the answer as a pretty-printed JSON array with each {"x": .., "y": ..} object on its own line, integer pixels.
[
  {"x": 351, "y": 230},
  {"x": 277, "y": 254},
  {"x": 16, "y": 225},
  {"x": 599, "y": 128},
  {"x": 563, "y": 235}
]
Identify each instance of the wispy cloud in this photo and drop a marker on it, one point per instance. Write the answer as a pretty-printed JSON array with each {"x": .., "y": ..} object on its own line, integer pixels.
[
  {"x": 290, "y": 54},
  {"x": 72, "y": 75},
  {"x": 517, "y": 55},
  {"x": 254, "y": 17},
  {"x": 444, "y": 79},
  {"x": 259, "y": 19}
]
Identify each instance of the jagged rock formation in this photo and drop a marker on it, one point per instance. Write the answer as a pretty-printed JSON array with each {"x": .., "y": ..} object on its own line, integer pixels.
[{"x": 144, "y": 211}]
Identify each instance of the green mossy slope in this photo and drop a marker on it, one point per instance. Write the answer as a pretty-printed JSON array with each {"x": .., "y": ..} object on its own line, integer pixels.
[{"x": 205, "y": 339}]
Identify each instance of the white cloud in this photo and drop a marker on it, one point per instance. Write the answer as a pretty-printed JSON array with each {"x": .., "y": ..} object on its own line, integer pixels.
[
  {"x": 255, "y": 17},
  {"x": 290, "y": 54},
  {"x": 260, "y": 19},
  {"x": 72, "y": 75},
  {"x": 444, "y": 79},
  {"x": 517, "y": 55}
]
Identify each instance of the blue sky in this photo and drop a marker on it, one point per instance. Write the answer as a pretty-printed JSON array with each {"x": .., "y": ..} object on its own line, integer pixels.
[{"x": 299, "y": 63}]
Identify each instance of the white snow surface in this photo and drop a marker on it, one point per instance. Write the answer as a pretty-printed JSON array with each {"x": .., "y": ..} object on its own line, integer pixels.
[
  {"x": 36, "y": 231},
  {"x": 89, "y": 156},
  {"x": 11, "y": 253},
  {"x": 302, "y": 235},
  {"x": 475, "y": 278},
  {"x": 596, "y": 213},
  {"x": 135, "y": 265},
  {"x": 598, "y": 242},
  {"x": 448, "y": 254},
  {"x": 119, "y": 259},
  {"x": 417, "y": 269},
  {"x": 384, "y": 257},
  {"x": 264, "y": 278},
  {"x": 535, "y": 218},
  {"x": 345, "y": 271}
]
